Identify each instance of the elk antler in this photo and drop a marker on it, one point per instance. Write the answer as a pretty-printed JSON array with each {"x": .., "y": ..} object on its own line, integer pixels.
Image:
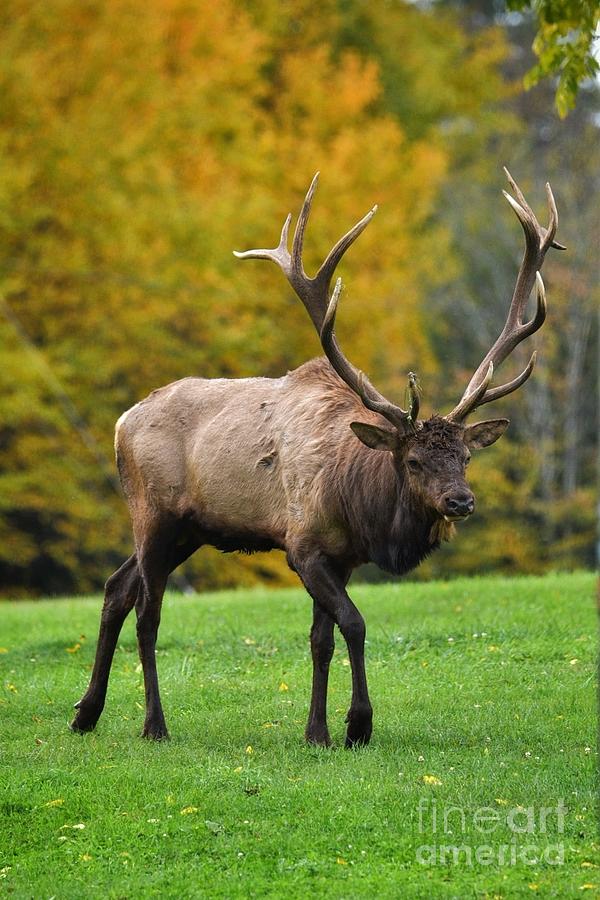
[
  {"x": 537, "y": 241},
  {"x": 314, "y": 294}
]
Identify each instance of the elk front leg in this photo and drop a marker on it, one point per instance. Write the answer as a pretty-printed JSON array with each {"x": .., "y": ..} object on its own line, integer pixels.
[
  {"x": 119, "y": 598},
  {"x": 327, "y": 588},
  {"x": 321, "y": 645}
]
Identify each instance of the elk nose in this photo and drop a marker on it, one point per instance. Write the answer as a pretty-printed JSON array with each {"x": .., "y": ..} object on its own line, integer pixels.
[{"x": 460, "y": 504}]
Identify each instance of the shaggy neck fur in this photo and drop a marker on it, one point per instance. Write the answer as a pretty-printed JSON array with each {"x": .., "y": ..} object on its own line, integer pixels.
[{"x": 388, "y": 526}]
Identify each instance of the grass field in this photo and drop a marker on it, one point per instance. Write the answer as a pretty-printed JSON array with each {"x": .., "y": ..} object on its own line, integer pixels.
[{"x": 484, "y": 696}]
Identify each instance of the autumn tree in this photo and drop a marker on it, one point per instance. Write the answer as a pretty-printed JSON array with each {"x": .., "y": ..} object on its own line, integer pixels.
[{"x": 139, "y": 145}]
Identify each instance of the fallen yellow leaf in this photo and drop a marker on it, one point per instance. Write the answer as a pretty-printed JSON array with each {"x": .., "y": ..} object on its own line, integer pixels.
[
  {"x": 58, "y": 802},
  {"x": 431, "y": 779},
  {"x": 188, "y": 810},
  {"x": 74, "y": 648},
  {"x": 283, "y": 686}
]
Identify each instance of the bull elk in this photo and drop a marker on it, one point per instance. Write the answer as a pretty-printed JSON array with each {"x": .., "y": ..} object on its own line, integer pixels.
[{"x": 317, "y": 463}]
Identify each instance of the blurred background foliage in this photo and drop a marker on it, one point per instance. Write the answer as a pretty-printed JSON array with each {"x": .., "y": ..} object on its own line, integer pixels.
[{"x": 141, "y": 143}]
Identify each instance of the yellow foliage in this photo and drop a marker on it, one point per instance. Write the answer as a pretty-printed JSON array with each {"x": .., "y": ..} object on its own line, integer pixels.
[{"x": 139, "y": 145}]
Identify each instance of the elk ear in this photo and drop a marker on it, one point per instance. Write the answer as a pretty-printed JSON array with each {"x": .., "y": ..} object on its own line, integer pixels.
[
  {"x": 482, "y": 434},
  {"x": 375, "y": 437}
]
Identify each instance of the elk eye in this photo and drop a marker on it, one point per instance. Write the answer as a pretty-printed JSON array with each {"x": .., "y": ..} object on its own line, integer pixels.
[
  {"x": 467, "y": 460},
  {"x": 414, "y": 465}
]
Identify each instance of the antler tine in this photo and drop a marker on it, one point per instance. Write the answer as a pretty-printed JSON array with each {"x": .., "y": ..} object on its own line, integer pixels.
[
  {"x": 539, "y": 318},
  {"x": 537, "y": 241},
  {"x": 510, "y": 386},
  {"x": 325, "y": 273},
  {"x": 298, "y": 242},
  {"x": 515, "y": 188},
  {"x": 355, "y": 378},
  {"x": 279, "y": 254},
  {"x": 415, "y": 400},
  {"x": 282, "y": 249},
  {"x": 552, "y": 220}
]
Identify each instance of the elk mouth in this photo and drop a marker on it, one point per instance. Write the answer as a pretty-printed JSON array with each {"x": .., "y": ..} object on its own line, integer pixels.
[{"x": 455, "y": 518}]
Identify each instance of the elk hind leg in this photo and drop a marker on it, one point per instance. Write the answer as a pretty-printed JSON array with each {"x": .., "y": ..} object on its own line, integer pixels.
[
  {"x": 321, "y": 645},
  {"x": 158, "y": 555},
  {"x": 120, "y": 595}
]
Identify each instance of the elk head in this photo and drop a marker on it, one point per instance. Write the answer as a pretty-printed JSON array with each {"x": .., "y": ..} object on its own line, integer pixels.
[{"x": 430, "y": 456}]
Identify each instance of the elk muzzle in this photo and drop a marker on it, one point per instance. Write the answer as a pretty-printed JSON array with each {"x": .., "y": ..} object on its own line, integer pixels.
[{"x": 457, "y": 504}]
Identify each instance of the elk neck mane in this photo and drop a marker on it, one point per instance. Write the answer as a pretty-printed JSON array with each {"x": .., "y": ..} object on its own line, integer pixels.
[
  {"x": 388, "y": 524},
  {"x": 391, "y": 527}
]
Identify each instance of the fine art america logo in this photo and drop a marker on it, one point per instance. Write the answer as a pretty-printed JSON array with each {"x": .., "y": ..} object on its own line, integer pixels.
[{"x": 453, "y": 835}]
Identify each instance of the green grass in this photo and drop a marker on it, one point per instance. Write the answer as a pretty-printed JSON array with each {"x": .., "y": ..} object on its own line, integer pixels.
[{"x": 486, "y": 684}]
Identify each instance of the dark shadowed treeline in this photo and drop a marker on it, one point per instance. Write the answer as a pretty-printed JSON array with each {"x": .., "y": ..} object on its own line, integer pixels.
[{"x": 141, "y": 143}]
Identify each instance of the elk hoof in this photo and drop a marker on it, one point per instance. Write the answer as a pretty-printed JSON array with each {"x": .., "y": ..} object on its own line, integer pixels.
[
  {"x": 361, "y": 740},
  {"x": 317, "y": 737},
  {"x": 86, "y": 718},
  {"x": 360, "y": 726},
  {"x": 156, "y": 732}
]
